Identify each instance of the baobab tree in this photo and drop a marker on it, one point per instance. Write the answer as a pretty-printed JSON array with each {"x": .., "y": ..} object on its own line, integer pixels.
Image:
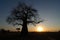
[{"x": 22, "y": 15}]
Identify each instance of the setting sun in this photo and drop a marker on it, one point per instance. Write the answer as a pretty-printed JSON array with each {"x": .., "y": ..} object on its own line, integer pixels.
[{"x": 39, "y": 29}]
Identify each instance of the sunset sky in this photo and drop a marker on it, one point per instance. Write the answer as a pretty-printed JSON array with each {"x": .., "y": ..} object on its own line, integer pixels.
[{"x": 49, "y": 10}]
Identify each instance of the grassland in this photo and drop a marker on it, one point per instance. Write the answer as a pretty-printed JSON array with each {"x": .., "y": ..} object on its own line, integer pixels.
[{"x": 30, "y": 36}]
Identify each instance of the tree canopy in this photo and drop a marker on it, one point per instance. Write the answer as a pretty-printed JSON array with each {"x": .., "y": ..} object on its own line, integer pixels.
[{"x": 21, "y": 12}]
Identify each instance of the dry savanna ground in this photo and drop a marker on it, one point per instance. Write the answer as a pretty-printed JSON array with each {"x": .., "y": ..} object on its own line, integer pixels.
[{"x": 30, "y": 36}]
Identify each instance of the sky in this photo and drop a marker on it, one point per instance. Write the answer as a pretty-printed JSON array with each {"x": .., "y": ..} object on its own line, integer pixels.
[{"x": 49, "y": 10}]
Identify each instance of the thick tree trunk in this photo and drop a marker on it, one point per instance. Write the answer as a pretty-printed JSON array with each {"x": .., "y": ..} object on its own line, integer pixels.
[{"x": 24, "y": 31}]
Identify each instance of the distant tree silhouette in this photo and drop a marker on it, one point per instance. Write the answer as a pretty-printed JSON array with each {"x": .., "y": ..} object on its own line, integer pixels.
[
  {"x": 18, "y": 29},
  {"x": 59, "y": 31},
  {"x": 8, "y": 30},
  {"x": 3, "y": 30},
  {"x": 22, "y": 15}
]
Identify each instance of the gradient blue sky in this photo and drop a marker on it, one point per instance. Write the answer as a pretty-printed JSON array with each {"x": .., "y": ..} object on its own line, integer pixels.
[{"x": 49, "y": 10}]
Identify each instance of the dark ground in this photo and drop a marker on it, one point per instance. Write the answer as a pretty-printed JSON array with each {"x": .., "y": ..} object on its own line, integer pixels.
[{"x": 30, "y": 36}]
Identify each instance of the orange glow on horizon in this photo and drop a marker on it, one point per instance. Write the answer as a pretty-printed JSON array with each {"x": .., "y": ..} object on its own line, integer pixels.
[{"x": 39, "y": 29}]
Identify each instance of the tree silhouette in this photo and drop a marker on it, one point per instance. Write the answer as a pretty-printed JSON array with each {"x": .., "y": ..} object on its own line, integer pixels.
[
  {"x": 3, "y": 30},
  {"x": 18, "y": 29},
  {"x": 22, "y": 15}
]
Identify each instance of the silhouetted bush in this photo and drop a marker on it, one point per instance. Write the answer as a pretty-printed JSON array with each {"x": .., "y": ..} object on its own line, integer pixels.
[
  {"x": 58, "y": 31},
  {"x": 3, "y": 30},
  {"x": 18, "y": 29}
]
